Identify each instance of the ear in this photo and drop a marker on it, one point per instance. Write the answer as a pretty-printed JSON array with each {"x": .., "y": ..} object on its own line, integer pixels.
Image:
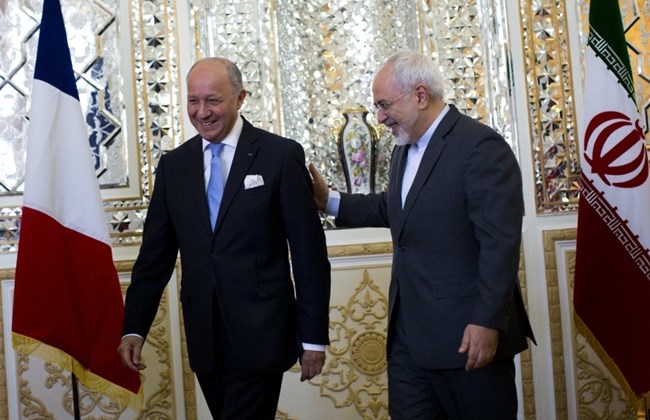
[
  {"x": 423, "y": 96},
  {"x": 240, "y": 98}
]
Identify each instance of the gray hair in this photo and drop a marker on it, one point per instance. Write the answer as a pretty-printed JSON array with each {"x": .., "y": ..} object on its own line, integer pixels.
[
  {"x": 234, "y": 74},
  {"x": 411, "y": 68}
]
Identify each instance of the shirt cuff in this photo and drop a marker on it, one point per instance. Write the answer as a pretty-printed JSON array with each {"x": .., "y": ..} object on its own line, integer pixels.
[
  {"x": 313, "y": 347},
  {"x": 333, "y": 202}
]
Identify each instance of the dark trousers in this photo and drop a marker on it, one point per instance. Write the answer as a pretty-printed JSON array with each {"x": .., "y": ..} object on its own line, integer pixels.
[
  {"x": 234, "y": 396},
  {"x": 233, "y": 392},
  {"x": 418, "y": 393}
]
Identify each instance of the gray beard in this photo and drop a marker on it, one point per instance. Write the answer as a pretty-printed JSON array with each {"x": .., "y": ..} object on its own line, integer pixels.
[{"x": 401, "y": 138}]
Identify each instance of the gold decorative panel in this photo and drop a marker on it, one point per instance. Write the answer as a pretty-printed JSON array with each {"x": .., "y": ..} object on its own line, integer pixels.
[
  {"x": 281, "y": 415},
  {"x": 354, "y": 381},
  {"x": 526, "y": 357},
  {"x": 93, "y": 39},
  {"x": 471, "y": 43},
  {"x": 45, "y": 391},
  {"x": 547, "y": 63},
  {"x": 636, "y": 21},
  {"x": 598, "y": 394},
  {"x": 555, "y": 317},
  {"x": 156, "y": 86},
  {"x": 355, "y": 370},
  {"x": 555, "y": 128},
  {"x": 94, "y": 33},
  {"x": 243, "y": 31}
]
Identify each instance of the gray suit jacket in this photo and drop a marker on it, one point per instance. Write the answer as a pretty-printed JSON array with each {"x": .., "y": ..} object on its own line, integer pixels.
[{"x": 456, "y": 242}]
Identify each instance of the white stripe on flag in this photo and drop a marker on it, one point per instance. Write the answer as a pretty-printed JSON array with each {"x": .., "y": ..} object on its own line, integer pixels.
[
  {"x": 60, "y": 175},
  {"x": 607, "y": 95}
]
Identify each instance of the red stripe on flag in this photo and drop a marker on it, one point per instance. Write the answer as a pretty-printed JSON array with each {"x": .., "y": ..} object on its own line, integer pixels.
[
  {"x": 611, "y": 297},
  {"x": 68, "y": 296}
]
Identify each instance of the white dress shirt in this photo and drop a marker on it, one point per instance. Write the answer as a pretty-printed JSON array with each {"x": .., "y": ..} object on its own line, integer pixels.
[{"x": 227, "y": 154}]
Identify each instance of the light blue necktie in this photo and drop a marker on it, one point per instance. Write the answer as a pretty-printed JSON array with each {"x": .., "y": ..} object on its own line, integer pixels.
[{"x": 215, "y": 183}]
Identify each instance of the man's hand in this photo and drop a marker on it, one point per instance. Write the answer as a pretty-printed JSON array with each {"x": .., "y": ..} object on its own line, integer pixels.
[
  {"x": 480, "y": 344},
  {"x": 321, "y": 190},
  {"x": 130, "y": 350},
  {"x": 311, "y": 363}
]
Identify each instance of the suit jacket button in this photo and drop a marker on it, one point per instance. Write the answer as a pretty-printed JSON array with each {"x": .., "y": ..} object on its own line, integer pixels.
[{"x": 401, "y": 248}]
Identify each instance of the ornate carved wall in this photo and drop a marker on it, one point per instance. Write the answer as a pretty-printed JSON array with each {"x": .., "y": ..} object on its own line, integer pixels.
[{"x": 582, "y": 381}]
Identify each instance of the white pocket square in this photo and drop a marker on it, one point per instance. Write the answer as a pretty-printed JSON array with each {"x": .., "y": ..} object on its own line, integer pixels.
[{"x": 252, "y": 181}]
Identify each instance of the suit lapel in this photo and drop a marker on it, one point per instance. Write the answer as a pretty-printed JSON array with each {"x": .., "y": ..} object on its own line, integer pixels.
[
  {"x": 244, "y": 155},
  {"x": 431, "y": 155},
  {"x": 197, "y": 180},
  {"x": 398, "y": 163}
]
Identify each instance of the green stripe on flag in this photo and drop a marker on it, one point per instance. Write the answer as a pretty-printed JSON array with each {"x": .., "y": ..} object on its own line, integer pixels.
[{"x": 607, "y": 40}]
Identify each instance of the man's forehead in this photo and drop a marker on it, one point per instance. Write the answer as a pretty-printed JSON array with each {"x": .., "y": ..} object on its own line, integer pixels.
[{"x": 383, "y": 82}]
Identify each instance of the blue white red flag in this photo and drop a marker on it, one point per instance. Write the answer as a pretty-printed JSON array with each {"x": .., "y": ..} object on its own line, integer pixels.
[{"x": 68, "y": 305}]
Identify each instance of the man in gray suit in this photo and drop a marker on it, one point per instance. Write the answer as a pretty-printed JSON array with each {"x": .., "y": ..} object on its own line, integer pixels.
[{"x": 454, "y": 207}]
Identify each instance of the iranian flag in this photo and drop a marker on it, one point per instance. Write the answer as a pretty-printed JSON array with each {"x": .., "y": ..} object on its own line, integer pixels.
[
  {"x": 611, "y": 294},
  {"x": 68, "y": 306}
]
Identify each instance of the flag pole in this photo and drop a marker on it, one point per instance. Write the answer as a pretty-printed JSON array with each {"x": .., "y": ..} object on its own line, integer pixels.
[{"x": 75, "y": 397}]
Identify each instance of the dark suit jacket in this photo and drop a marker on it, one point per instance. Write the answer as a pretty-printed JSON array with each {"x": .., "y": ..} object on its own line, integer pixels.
[
  {"x": 244, "y": 266},
  {"x": 455, "y": 243}
]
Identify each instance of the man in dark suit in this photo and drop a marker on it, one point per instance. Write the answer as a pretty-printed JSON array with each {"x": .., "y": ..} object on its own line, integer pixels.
[
  {"x": 244, "y": 323},
  {"x": 454, "y": 207}
]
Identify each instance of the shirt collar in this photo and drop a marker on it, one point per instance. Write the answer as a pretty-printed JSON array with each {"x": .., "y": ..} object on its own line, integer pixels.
[{"x": 423, "y": 141}]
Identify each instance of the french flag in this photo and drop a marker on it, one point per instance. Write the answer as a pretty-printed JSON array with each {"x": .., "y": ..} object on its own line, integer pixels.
[{"x": 68, "y": 306}]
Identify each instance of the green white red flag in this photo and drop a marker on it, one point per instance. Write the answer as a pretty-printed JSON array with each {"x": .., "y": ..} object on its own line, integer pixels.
[
  {"x": 68, "y": 306},
  {"x": 611, "y": 294}
]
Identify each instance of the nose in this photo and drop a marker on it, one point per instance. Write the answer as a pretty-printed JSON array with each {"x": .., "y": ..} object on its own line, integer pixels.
[
  {"x": 202, "y": 109},
  {"x": 381, "y": 116}
]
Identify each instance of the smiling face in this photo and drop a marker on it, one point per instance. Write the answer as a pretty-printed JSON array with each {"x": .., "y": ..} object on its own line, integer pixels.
[
  {"x": 212, "y": 104},
  {"x": 400, "y": 111}
]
